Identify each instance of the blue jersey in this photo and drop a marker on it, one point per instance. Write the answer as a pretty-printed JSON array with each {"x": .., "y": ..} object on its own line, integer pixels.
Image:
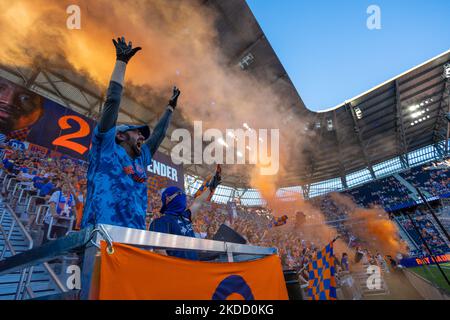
[
  {"x": 8, "y": 164},
  {"x": 45, "y": 189},
  {"x": 117, "y": 184},
  {"x": 178, "y": 225},
  {"x": 38, "y": 182}
]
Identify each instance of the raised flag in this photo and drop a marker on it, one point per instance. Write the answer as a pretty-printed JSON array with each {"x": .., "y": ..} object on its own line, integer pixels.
[{"x": 322, "y": 281}]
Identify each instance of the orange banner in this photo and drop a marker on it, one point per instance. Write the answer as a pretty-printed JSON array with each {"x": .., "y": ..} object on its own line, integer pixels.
[{"x": 135, "y": 274}]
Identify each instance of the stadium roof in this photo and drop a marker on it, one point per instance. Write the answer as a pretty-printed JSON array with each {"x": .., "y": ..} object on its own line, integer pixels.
[{"x": 358, "y": 134}]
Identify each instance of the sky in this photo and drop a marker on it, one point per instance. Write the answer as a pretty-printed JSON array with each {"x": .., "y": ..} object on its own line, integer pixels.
[{"x": 332, "y": 56}]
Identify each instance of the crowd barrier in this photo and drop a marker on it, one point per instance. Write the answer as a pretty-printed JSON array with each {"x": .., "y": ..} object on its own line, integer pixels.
[{"x": 239, "y": 260}]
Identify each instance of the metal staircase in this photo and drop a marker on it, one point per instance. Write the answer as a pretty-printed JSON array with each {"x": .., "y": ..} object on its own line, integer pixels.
[{"x": 33, "y": 282}]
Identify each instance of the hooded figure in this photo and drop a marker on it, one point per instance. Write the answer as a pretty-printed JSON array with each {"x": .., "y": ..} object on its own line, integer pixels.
[{"x": 175, "y": 219}]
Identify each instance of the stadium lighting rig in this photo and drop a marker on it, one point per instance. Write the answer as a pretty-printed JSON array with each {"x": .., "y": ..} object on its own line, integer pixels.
[
  {"x": 358, "y": 113},
  {"x": 329, "y": 125},
  {"x": 246, "y": 61},
  {"x": 419, "y": 111},
  {"x": 447, "y": 71}
]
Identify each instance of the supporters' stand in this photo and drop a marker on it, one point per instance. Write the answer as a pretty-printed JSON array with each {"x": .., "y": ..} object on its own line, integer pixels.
[
  {"x": 25, "y": 202},
  {"x": 434, "y": 182},
  {"x": 388, "y": 193},
  {"x": 428, "y": 230}
]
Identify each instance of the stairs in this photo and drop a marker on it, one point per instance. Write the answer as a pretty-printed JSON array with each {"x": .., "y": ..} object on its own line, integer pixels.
[
  {"x": 360, "y": 276},
  {"x": 30, "y": 283}
]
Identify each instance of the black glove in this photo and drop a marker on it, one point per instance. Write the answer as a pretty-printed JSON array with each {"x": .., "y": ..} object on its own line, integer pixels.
[
  {"x": 124, "y": 52},
  {"x": 215, "y": 181},
  {"x": 173, "y": 101}
]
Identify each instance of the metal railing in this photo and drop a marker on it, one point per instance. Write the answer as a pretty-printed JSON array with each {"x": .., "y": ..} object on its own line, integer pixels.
[
  {"x": 27, "y": 272},
  {"x": 8, "y": 244},
  {"x": 151, "y": 240},
  {"x": 114, "y": 234},
  {"x": 57, "y": 223}
]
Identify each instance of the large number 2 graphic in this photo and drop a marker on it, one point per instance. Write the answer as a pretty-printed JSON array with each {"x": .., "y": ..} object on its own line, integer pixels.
[{"x": 64, "y": 140}]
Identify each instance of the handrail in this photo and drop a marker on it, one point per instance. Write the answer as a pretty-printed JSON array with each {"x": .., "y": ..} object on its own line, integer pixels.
[
  {"x": 38, "y": 215},
  {"x": 75, "y": 240},
  {"x": 46, "y": 252},
  {"x": 30, "y": 200},
  {"x": 28, "y": 188},
  {"x": 51, "y": 224},
  {"x": 21, "y": 226},
  {"x": 11, "y": 248},
  {"x": 23, "y": 230},
  {"x": 55, "y": 277},
  {"x": 157, "y": 240},
  {"x": 7, "y": 176},
  {"x": 13, "y": 178}
]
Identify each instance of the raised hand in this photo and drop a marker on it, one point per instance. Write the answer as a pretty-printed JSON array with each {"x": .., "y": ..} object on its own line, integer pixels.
[
  {"x": 174, "y": 100},
  {"x": 217, "y": 179},
  {"x": 124, "y": 51}
]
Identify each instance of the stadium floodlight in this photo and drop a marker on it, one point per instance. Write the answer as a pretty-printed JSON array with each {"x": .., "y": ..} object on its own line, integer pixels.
[
  {"x": 447, "y": 71},
  {"x": 246, "y": 61},
  {"x": 358, "y": 113},
  {"x": 414, "y": 107},
  {"x": 329, "y": 124}
]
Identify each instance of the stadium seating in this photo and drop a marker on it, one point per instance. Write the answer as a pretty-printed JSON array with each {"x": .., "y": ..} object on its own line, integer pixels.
[
  {"x": 428, "y": 230},
  {"x": 28, "y": 199},
  {"x": 435, "y": 182},
  {"x": 387, "y": 192}
]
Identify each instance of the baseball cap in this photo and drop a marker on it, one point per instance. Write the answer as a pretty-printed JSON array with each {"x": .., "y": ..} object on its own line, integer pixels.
[{"x": 144, "y": 129}]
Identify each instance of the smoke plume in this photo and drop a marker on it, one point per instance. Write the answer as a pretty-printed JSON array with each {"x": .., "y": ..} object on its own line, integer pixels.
[
  {"x": 180, "y": 47},
  {"x": 372, "y": 226}
]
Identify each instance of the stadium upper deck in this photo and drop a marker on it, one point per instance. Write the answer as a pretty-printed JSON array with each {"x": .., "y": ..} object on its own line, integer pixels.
[{"x": 348, "y": 142}]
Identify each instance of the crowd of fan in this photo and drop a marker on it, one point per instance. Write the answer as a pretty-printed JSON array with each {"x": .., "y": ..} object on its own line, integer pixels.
[
  {"x": 388, "y": 193},
  {"x": 428, "y": 232},
  {"x": 434, "y": 182},
  {"x": 46, "y": 175}
]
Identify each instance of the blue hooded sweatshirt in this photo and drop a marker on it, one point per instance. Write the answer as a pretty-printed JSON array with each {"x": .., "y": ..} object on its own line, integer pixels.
[{"x": 176, "y": 219}]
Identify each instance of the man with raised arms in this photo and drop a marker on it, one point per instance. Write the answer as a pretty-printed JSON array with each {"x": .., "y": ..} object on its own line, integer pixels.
[{"x": 118, "y": 159}]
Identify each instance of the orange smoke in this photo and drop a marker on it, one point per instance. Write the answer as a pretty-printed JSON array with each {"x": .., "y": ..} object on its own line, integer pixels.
[
  {"x": 372, "y": 226},
  {"x": 180, "y": 46}
]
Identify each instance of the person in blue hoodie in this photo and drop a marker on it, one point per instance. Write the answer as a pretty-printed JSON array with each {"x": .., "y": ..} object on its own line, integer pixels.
[{"x": 177, "y": 218}]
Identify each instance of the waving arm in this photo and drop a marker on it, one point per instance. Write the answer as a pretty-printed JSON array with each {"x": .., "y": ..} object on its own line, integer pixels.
[{"x": 110, "y": 109}]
